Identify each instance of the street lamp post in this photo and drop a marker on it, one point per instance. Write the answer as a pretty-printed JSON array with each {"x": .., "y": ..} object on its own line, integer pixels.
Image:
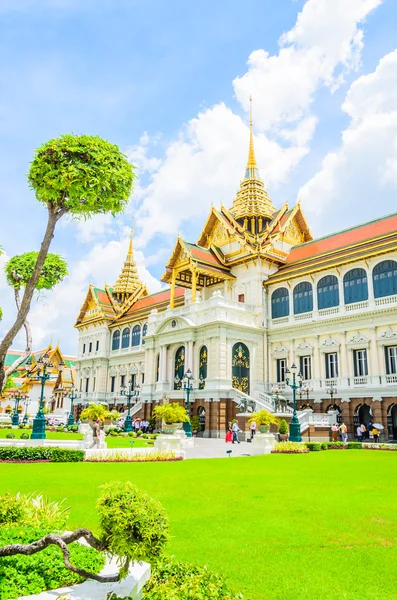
[
  {"x": 188, "y": 388},
  {"x": 15, "y": 415},
  {"x": 72, "y": 396},
  {"x": 25, "y": 419},
  {"x": 295, "y": 384},
  {"x": 131, "y": 392},
  {"x": 39, "y": 422},
  {"x": 331, "y": 390}
]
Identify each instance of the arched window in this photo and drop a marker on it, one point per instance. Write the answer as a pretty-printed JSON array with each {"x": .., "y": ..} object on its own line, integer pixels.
[
  {"x": 355, "y": 286},
  {"x": 125, "y": 338},
  {"x": 303, "y": 297},
  {"x": 328, "y": 292},
  {"x": 241, "y": 368},
  {"x": 144, "y": 332},
  {"x": 280, "y": 303},
  {"x": 385, "y": 278},
  {"x": 203, "y": 367},
  {"x": 136, "y": 335},
  {"x": 116, "y": 340},
  {"x": 158, "y": 367},
  {"x": 179, "y": 367}
]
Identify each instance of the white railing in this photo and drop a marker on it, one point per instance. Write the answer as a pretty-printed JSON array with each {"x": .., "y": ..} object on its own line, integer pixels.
[
  {"x": 356, "y": 306},
  {"x": 133, "y": 410},
  {"x": 360, "y": 380},
  {"x": 307, "y": 418},
  {"x": 391, "y": 378},
  {"x": 280, "y": 320},
  {"x": 324, "y": 312},
  {"x": 303, "y": 316},
  {"x": 385, "y": 300}
]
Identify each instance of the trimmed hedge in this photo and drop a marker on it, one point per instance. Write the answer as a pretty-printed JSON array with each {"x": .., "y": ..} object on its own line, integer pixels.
[
  {"x": 354, "y": 446},
  {"x": 10, "y": 453},
  {"x": 313, "y": 446}
]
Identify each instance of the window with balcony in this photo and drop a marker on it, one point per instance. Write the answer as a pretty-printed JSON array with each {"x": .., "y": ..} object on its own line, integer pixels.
[
  {"x": 122, "y": 381},
  {"x": 136, "y": 336},
  {"x": 391, "y": 360},
  {"x": 125, "y": 338},
  {"x": 385, "y": 278},
  {"x": 112, "y": 383},
  {"x": 305, "y": 367},
  {"x": 303, "y": 298},
  {"x": 83, "y": 348},
  {"x": 280, "y": 303},
  {"x": 97, "y": 346},
  {"x": 355, "y": 286},
  {"x": 87, "y": 384},
  {"x": 331, "y": 365},
  {"x": 360, "y": 363},
  {"x": 116, "y": 340},
  {"x": 281, "y": 369},
  {"x": 90, "y": 347},
  {"x": 328, "y": 292},
  {"x": 144, "y": 332}
]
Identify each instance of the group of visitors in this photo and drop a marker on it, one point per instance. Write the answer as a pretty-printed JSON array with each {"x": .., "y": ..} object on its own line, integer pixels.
[
  {"x": 371, "y": 432},
  {"x": 232, "y": 432},
  {"x": 337, "y": 430},
  {"x": 140, "y": 424}
]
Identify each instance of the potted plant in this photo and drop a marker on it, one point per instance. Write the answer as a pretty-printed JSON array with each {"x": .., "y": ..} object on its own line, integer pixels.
[
  {"x": 173, "y": 416},
  {"x": 283, "y": 430},
  {"x": 264, "y": 419},
  {"x": 195, "y": 425},
  {"x": 93, "y": 412}
]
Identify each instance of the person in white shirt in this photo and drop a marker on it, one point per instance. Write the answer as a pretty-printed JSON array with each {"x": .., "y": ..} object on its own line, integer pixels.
[
  {"x": 235, "y": 429},
  {"x": 253, "y": 429},
  {"x": 359, "y": 433}
]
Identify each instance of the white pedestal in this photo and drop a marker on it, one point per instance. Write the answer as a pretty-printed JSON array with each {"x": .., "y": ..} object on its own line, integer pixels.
[
  {"x": 170, "y": 443},
  {"x": 263, "y": 443}
]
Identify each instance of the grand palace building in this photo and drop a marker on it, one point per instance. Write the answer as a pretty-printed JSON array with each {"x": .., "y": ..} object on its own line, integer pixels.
[{"x": 253, "y": 295}]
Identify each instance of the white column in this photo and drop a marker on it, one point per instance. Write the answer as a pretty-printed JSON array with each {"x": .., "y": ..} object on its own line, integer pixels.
[
  {"x": 374, "y": 369},
  {"x": 344, "y": 357},
  {"x": 189, "y": 356}
]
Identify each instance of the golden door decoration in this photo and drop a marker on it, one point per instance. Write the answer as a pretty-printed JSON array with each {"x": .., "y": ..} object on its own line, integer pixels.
[
  {"x": 241, "y": 368},
  {"x": 179, "y": 367},
  {"x": 203, "y": 367}
]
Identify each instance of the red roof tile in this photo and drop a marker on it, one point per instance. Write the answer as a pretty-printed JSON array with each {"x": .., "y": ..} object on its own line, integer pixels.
[
  {"x": 154, "y": 299},
  {"x": 335, "y": 241}
]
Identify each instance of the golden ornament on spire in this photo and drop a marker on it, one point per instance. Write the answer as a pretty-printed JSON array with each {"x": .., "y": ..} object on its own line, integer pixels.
[
  {"x": 128, "y": 281},
  {"x": 252, "y": 201}
]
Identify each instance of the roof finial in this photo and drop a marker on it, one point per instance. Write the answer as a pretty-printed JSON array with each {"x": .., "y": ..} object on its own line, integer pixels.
[
  {"x": 251, "y": 164},
  {"x": 128, "y": 281},
  {"x": 131, "y": 248}
]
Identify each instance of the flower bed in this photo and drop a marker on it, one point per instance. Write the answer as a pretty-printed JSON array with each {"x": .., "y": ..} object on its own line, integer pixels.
[
  {"x": 290, "y": 448},
  {"x": 390, "y": 447},
  {"x": 128, "y": 457},
  {"x": 40, "y": 453}
]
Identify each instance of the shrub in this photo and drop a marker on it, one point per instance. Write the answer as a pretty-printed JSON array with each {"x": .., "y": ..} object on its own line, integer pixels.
[
  {"x": 32, "y": 511},
  {"x": 10, "y": 436},
  {"x": 131, "y": 433},
  {"x": 263, "y": 417},
  {"x": 139, "y": 432},
  {"x": 25, "y": 575},
  {"x": 41, "y": 453},
  {"x": 195, "y": 423},
  {"x": 283, "y": 427},
  {"x": 313, "y": 446},
  {"x": 145, "y": 436},
  {"x": 354, "y": 446},
  {"x": 171, "y": 412},
  {"x": 73, "y": 428},
  {"x": 334, "y": 445},
  {"x": 21, "y": 426},
  {"x": 134, "y": 526},
  {"x": 24, "y": 436},
  {"x": 324, "y": 446},
  {"x": 290, "y": 448},
  {"x": 134, "y": 434},
  {"x": 182, "y": 581}
]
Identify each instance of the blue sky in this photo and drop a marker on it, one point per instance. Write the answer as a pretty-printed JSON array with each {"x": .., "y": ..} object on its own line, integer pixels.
[{"x": 169, "y": 83}]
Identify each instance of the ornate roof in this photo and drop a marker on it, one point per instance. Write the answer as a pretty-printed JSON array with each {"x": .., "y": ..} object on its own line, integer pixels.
[
  {"x": 252, "y": 199},
  {"x": 128, "y": 282}
]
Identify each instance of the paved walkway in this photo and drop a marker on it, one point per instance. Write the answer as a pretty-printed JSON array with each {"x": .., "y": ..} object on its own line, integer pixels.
[{"x": 216, "y": 448}]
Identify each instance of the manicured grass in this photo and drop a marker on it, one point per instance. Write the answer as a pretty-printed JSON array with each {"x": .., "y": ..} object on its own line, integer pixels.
[
  {"x": 318, "y": 526},
  {"x": 125, "y": 442},
  {"x": 51, "y": 435}
]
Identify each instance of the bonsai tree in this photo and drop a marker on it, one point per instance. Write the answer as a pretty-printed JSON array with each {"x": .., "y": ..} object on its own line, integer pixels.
[
  {"x": 283, "y": 427},
  {"x": 19, "y": 270},
  {"x": 171, "y": 413},
  {"x": 97, "y": 411},
  {"x": 72, "y": 175},
  {"x": 264, "y": 419},
  {"x": 133, "y": 526}
]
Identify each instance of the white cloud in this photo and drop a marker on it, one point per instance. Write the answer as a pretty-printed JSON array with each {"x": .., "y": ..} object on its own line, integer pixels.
[
  {"x": 361, "y": 176},
  {"x": 206, "y": 162},
  {"x": 325, "y": 42}
]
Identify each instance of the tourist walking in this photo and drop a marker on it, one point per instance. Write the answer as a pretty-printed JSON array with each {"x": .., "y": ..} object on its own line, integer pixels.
[
  {"x": 235, "y": 429},
  {"x": 96, "y": 430},
  {"x": 229, "y": 433},
  {"x": 334, "y": 431},
  {"x": 375, "y": 433},
  {"x": 253, "y": 429},
  {"x": 343, "y": 433},
  {"x": 360, "y": 433}
]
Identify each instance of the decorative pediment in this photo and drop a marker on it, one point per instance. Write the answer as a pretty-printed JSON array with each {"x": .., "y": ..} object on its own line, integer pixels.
[
  {"x": 358, "y": 339},
  {"x": 133, "y": 370},
  {"x": 123, "y": 370},
  {"x": 329, "y": 345},
  {"x": 388, "y": 335},
  {"x": 113, "y": 371},
  {"x": 303, "y": 348},
  {"x": 280, "y": 351}
]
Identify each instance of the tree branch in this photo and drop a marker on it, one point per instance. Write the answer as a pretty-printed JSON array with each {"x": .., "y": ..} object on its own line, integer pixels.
[
  {"x": 28, "y": 349},
  {"x": 53, "y": 217},
  {"x": 62, "y": 541}
]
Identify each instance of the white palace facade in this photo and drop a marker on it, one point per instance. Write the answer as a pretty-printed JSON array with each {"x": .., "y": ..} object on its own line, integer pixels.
[{"x": 253, "y": 295}]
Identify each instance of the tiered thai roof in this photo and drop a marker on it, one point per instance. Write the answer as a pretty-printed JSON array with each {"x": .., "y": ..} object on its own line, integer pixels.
[{"x": 128, "y": 283}]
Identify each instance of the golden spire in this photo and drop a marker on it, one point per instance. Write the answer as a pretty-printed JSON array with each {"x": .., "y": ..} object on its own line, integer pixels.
[
  {"x": 128, "y": 281},
  {"x": 252, "y": 199}
]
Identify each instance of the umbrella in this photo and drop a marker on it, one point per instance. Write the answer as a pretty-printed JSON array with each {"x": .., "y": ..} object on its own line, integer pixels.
[{"x": 377, "y": 425}]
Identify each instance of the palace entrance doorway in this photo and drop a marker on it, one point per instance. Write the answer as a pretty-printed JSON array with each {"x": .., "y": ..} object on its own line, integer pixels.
[{"x": 392, "y": 422}]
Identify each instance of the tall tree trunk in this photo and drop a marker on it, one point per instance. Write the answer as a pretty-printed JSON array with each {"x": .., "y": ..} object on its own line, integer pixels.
[
  {"x": 53, "y": 216},
  {"x": 28, "y": 348}
]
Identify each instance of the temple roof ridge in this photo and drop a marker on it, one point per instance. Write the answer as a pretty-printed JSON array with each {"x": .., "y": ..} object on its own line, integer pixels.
[{"x": 128, "y": 281}]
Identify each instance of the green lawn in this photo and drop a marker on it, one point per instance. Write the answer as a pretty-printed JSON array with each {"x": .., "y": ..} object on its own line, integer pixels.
[
  {"x": 321, "y": 526},
  {"x": 112, "y": 442}
]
